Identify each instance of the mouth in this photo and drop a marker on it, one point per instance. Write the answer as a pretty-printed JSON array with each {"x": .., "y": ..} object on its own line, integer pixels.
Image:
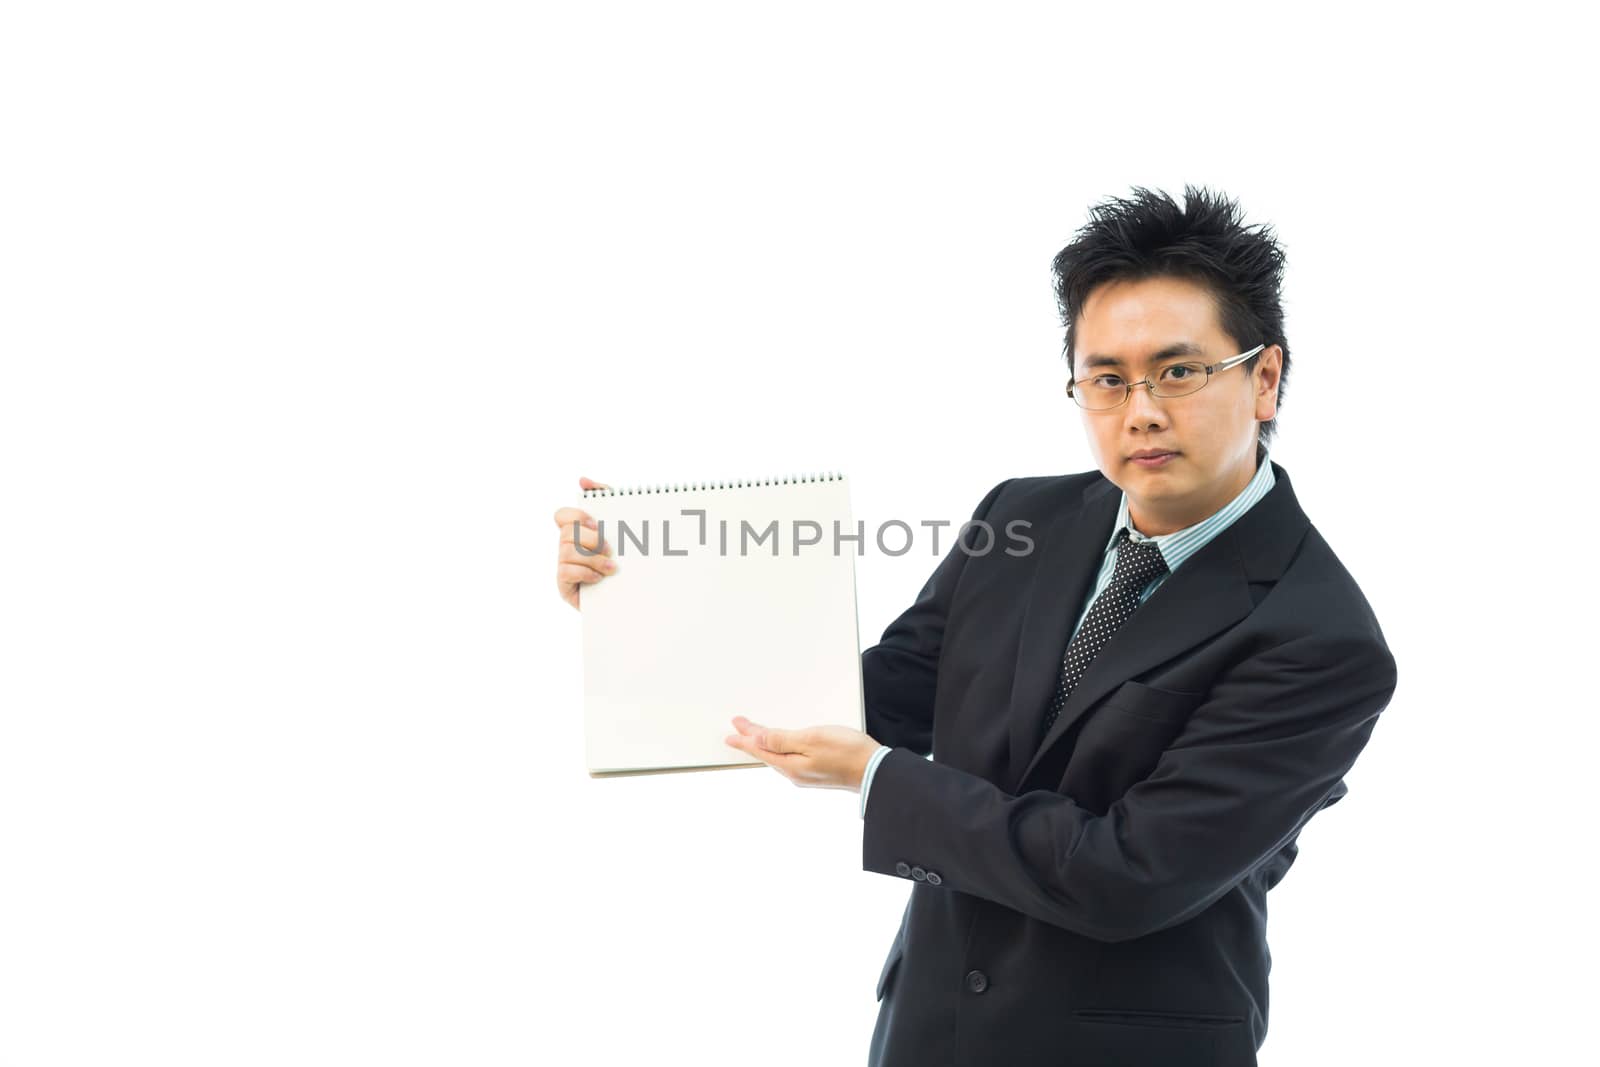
[{"x": 1152, "y": 458}]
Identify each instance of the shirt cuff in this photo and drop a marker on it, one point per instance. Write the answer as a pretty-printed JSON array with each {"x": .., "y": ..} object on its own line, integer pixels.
[{"x": 866, "y": 779}]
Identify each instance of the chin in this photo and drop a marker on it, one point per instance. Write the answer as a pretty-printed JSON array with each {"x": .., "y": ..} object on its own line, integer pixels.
[{"x": 1161, "y": 483}]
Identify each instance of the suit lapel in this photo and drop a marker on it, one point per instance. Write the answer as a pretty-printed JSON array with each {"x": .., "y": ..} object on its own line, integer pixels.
[
  {"x": 1071, "y": 546},
  {"x": 1208, "y": 593}
]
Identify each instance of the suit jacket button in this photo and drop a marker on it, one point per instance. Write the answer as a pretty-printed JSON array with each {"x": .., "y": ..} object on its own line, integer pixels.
[
  {"x": 934, "y": 879},
  {"x": 903, "y": 869},
  {"x": 919, "y": 874},
  {"x": 977, "y": 981}
]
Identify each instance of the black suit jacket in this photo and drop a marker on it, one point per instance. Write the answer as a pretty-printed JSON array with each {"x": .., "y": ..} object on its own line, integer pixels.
[{"x": 1100, "y": 898}]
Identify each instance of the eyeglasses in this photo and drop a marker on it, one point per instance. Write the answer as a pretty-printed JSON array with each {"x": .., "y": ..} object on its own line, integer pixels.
[{"x": 1102, "y": 392}]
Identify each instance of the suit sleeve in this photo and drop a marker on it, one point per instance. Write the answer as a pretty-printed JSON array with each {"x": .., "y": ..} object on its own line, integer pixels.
[
  {"x": 898, "y": 673},
  {"x": 1264, "y": 752}
]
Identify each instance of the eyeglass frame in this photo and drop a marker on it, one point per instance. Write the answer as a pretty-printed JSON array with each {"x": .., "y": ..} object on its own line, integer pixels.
[{"x": 1211, "y": 370}]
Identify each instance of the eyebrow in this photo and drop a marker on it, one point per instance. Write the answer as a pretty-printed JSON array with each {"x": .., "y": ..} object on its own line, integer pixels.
[{"x": 1182, "y": 348}]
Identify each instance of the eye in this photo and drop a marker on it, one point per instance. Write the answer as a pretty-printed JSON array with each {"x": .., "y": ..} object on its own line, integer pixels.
[{"x": 1106, "y": 381}]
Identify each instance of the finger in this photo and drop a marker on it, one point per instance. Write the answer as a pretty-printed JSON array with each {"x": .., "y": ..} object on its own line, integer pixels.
[
  {"x": 590, "y": 483},
  {"x": 575, "y": 574},
  {"x": 751, "y": 736},
  {"x": 749, "y": 748},
  {"x": 565, "y": 517},
  {"x": 589, "y": 539},
  {"x": 784, "y": 765},
  {"x": 592, "y": 551},
  {"x": 602, "y": 565},
  {"x": 779, "y": 742}
]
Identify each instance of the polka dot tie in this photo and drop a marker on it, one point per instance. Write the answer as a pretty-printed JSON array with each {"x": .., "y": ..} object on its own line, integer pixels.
[{"x": 1138, "y": 564}]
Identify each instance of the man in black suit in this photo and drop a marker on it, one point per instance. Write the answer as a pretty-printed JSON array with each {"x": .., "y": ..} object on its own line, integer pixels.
[{"x": 1131, "y": 717}]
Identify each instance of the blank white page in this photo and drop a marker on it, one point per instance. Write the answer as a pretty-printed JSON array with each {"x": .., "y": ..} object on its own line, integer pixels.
[{"x": 753, "y": 621}]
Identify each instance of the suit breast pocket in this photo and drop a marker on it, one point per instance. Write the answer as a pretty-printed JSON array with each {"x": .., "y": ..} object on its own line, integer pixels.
[
  {"x": 1151, "y": 704},
  {"x": 1122, "y": 741}
]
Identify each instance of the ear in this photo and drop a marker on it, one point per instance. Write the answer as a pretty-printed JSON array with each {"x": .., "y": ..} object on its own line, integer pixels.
[{"x": 1265, "y": 381}]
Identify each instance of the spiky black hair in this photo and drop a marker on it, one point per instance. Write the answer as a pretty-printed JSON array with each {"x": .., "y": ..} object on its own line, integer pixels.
[{"x": 1205, "y": 241}]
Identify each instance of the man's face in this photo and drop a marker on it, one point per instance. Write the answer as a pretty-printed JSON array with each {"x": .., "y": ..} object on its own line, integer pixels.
[{"x": 1211, "y": 434}]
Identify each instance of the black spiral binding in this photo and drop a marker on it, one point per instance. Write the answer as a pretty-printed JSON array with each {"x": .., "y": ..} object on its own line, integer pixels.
[{"x": 644, "y": 490}]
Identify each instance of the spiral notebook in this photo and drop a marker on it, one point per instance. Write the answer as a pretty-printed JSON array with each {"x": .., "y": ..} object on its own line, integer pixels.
[{"x": 730, "y": 598}]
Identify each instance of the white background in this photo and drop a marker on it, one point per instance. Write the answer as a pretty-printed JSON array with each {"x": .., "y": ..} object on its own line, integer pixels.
[{"x": 312, "y": 314}]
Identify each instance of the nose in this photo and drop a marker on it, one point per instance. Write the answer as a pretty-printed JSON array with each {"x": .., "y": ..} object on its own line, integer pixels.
[{"x": 1144, "y": 411}]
